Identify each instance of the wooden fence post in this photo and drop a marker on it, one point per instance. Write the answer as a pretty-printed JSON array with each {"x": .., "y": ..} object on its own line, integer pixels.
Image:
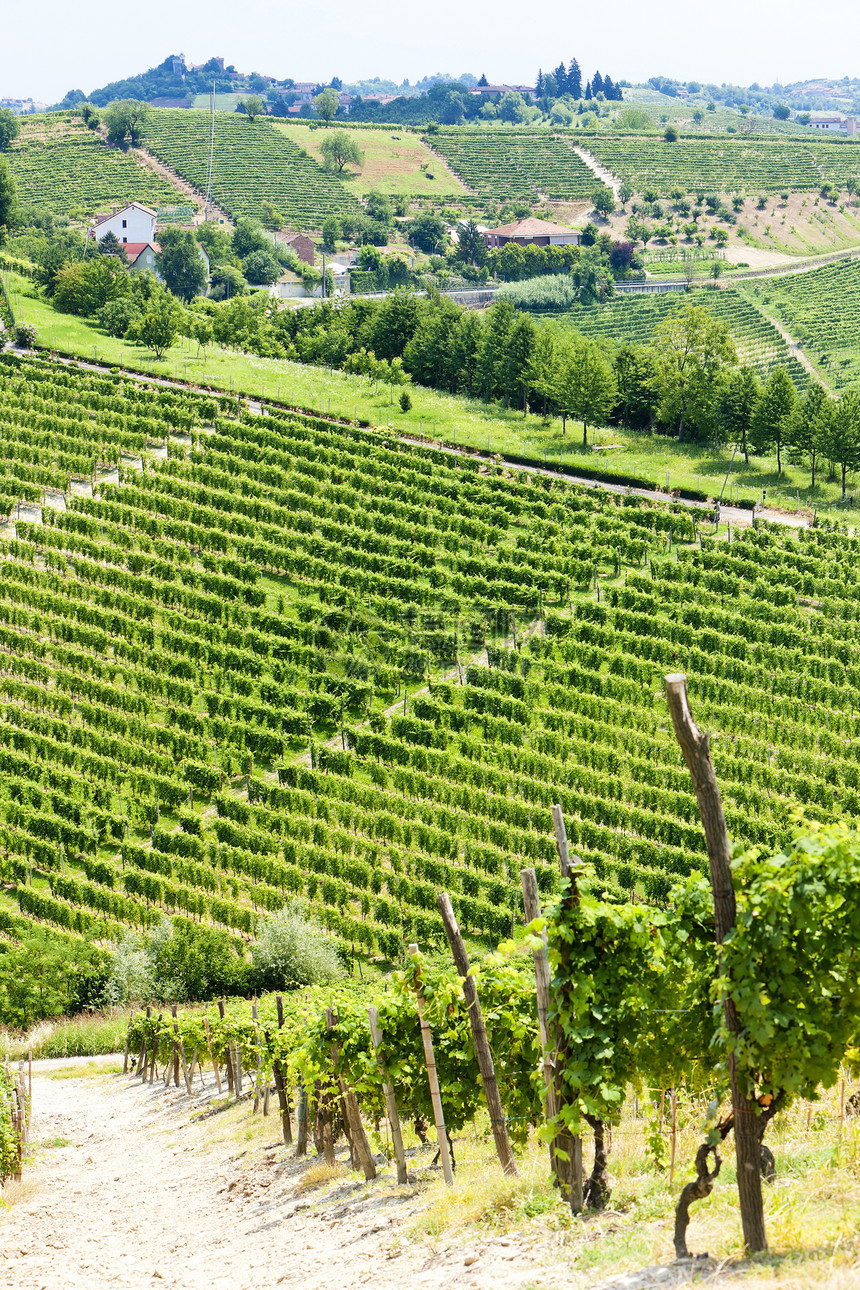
[
  {"x": 435, "y": 1095},
  {"x": 179, "y": 1053},
  {"x": 695, "y": 745},
  {"x": 483, "y": 1051},
  {"x": 390, "y": 1099},
  {"x": 141, "y": 1061},
  {"x": 155, "y": 1035},
  {"x": 358, "y": 1137},
  {"x": 255, "y": 1015}
]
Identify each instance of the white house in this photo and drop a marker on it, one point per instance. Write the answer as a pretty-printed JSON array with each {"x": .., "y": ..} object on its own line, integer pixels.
[
  {"x": 833, "y": 122},
  {"x": 133, "y": 224}
]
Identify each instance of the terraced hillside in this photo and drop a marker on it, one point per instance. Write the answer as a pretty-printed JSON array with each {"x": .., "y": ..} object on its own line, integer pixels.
[
  {"x": 822, "y": 309},
  {"x": 64, "y": 169},
  {"x": 198, "y": 666},
  {"x": 729, "y": 164},
  {"x": 254, "y": 161},
  {"x": 504, "y": 164},
  {"x": 633, "y": 318}
]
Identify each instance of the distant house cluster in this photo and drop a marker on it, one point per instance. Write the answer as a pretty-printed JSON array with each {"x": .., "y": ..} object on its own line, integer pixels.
[{"x": 22, "y": 107}]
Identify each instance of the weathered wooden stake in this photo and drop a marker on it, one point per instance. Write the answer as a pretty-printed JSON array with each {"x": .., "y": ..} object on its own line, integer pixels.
[
  {"x": 211, "y": 1054},
  {"x": 154, "y": 1047},
  {"x": 483, "y": 1052},
  {"x": 567, "y": 1147},
  {"x": 531, "y": 908},
  {"x": 435, "y": 1095},
  {"x": 302, "y": 1121},
  {"x": 695, "y": 745},
  {"x": 280, "y": 1085},
  {"x": 179, "y": 1055},
  {"x": 358, "y": 1137},
  {"x": 390, "y": 1099}
]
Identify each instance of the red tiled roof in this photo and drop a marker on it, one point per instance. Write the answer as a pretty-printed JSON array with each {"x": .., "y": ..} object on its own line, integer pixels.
[
  {"x": 134, "y": 250},
  {"x": 530, "y": 228}
]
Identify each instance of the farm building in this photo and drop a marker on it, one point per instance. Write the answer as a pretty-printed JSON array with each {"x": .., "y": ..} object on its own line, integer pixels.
[
  {"x": 301, "y": 244},
  {"x": 131, "y": 224},
  {"x": 833, "y": 122},
  {"x": 487, "y": 91},
  {"x": 532, "y": 232},
  {"x": 141, "y": 256}
]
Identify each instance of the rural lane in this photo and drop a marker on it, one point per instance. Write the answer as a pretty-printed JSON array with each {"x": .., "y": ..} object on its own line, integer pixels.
[{"x": 130, "y": 1188}]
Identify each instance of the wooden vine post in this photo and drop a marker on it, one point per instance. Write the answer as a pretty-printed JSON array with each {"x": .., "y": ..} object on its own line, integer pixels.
[
  {"x": 483, "y": 1052},
  {"x": 179, "y": 1054},
  {"x": 390, "y": 1099},
  {"x": 352, "y": 1114},
  {"x": 280, "y": 1085},
  {"x": 695, "y": 745},
  {"x": 568, "y": 1173},
  {"x": 566, "y": 1147},
  {"x": 435, "y": 1095},
  {"x": 211, "y": 1054}
]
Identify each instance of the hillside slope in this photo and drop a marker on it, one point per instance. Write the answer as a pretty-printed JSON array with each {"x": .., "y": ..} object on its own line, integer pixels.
[
  {"x": 64, "y": 169},
  {"x": 241, "y": 608},
  {"x": 253, "y": 162}
]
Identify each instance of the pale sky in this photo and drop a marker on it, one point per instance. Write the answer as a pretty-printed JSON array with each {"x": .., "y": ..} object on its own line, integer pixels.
[{"x": 58, "y": 46}]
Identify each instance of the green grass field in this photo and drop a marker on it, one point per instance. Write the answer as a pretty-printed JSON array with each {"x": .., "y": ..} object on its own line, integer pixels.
[
  {"x": 395, "y": 162},
  {"x": 442, "y": 417}
]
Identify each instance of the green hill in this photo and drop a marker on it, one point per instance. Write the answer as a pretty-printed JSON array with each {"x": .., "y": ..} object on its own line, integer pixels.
[
  {"x": 731, "y": 164},
  {"x": 253, "y": 162},
  {"x": 61, "y": 167},
  {"x": 213, "y": 692},
  {"x": 632, "y": 318}
]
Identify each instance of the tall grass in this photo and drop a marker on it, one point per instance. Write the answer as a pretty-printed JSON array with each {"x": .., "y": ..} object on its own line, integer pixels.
[{"x": 86, "y": 1035}]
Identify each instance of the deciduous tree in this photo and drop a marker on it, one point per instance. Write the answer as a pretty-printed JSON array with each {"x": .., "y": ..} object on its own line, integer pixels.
[
  {"x": 126, "y": 120},
  {"x": 691, "y": 348},
  {"x": 326, "y": 105},
  {"x": 772, "y": 419},
  {"x": 341, "y": 149}
]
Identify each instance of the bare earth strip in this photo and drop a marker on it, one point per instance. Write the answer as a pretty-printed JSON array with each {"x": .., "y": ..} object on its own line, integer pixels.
[{"x": 143, "y": 1196}]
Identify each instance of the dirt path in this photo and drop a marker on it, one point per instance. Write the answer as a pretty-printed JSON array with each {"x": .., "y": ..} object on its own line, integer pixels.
[
  {"x": 143, "y": 1195},
  {"x": 605, "y": 176}
]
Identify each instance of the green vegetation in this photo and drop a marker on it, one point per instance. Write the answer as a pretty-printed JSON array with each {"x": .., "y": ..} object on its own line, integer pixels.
[
  {"x": 631, "y": 319},
  {"x": 727, "y": 165},
  {"x": 243, "y": 559},
  {"x": 821, "y": 309},
  {"x": 74, "y": 173},
  {"x": 395, "y": 162},
  {"x": 504, "y": 164},
  {"x": 254, "y": 162},
  {"x": 632, "y": 454}
]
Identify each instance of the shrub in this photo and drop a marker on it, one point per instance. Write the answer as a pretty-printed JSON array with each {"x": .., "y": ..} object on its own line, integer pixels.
[
  {"x": 405, "y": 401},
  {"x": 292, "y": 951},
  {"x": 26, "y": 335},
  {"x": 261, "y": 268}
]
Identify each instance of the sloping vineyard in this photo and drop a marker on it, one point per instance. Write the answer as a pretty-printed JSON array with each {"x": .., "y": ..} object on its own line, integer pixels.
[
  {"x": 822, "y": 309},
  {"x": 77, "y": 174},
  {"x": 249, "y": 625},
  {"x": 253, "y": 162},
  {"x": 727, "y": 165},
  {"x": 632, "y": 319},
  {"x": 505, "y": 164}
]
